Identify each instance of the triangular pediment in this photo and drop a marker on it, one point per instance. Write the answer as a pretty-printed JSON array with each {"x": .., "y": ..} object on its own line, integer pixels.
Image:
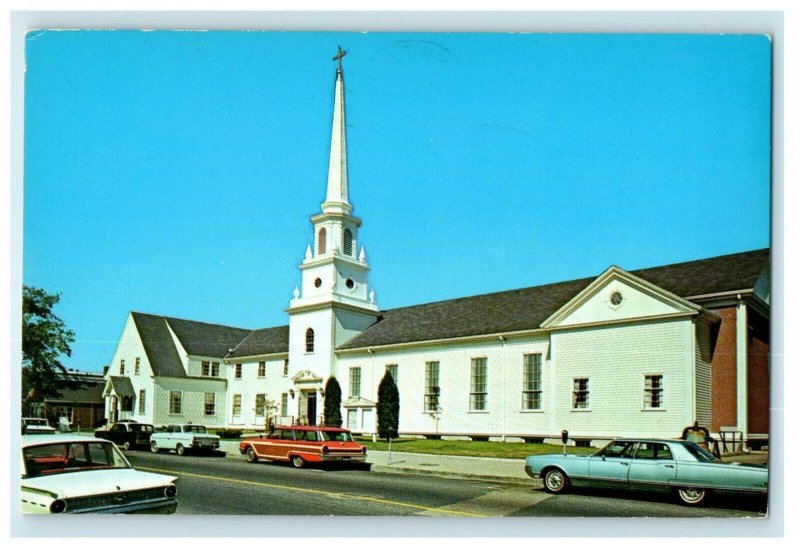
[
  {"x": 618, "y": 295},
  {"x": 358, "y": 402},
  {"x": 306, "y": 376}
]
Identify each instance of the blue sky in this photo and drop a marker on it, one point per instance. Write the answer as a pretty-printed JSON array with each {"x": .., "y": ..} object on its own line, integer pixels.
[{"x": 174, "y": 172}]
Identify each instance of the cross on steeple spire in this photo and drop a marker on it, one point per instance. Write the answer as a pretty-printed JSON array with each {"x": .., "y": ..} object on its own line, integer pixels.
[{"x": 338, "y": 57}]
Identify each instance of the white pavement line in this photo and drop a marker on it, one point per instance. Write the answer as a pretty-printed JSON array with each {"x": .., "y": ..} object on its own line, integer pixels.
[{"x": 497, "y": 502}]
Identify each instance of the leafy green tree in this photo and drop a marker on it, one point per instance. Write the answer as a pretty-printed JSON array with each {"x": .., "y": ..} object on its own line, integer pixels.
[
  {"x": 333, "y": 402},
  {"x": 388, "y": 408},
  {"x": 45, "y": 338}
]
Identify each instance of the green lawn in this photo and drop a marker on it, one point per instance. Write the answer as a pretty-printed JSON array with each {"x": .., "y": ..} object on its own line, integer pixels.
[{"x": 496, "y": 449}]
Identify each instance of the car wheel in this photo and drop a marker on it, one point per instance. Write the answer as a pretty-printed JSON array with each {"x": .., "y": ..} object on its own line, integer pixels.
[
  {"x": 692, "y": 495},
  {"x": 153, "y": 447},
  {"x": 180, "y": 450},
  {"x": 126, "y": 446},
  {"x": 250, "y": 455},
  {"x": 297, "y": 461},
  {"x": 555, "y": 481}
]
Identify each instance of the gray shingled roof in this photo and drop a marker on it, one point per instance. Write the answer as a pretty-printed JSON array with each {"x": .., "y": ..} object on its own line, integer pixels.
[
  {"x": 158, "y": 345},
  {"x": 207, "y": 339},
  {"x": 90, "y": 390},
  {"x": 527, "y": 308},
  {"x": 272, "y": 340}
]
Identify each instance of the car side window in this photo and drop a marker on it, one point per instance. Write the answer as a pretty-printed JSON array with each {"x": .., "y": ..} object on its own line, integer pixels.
[
  {"x": 619, "y": 449},
  {"x": 653, "y": 451},
  {"x": 287, "y": 435}
]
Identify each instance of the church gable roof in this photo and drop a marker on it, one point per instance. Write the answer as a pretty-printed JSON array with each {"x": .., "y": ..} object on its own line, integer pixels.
[
  {"x": 271, "y": 340},
  {"x": 527, "y": 308},
  {"x": 158, "y": 345}
]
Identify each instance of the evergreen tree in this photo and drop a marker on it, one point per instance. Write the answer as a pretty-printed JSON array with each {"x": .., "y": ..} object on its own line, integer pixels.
[
  {"x": 388, "y": 408},
  {"x": 45, "y": 338},
  {"x": 333, "y": 403}
]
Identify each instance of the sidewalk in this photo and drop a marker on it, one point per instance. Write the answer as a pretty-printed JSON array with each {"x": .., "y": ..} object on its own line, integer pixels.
[{"x": 507, "y": 470}]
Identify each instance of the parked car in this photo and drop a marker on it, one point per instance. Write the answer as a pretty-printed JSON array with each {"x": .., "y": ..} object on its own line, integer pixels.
[
  {"x": 127, "y": 434},
  {"x": 304, "y": 444},
  {"x": 80, "y": 474},
  {"x": 32, "y": 425},
  {"x": 183, "y": 437},
  {"x": 679, "y": 466}
]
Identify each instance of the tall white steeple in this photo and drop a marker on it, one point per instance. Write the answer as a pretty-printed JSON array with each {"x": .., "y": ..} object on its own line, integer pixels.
[
  {"x": 335, "y": 268},
  {"x": 336, "y": 199}
]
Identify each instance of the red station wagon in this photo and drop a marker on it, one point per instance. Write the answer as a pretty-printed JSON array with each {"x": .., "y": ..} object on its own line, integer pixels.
[{"x": 304, "y": 444}]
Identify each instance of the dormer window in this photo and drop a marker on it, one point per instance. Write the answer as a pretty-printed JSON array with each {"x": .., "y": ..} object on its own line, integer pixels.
[
  {"x": 322, "y": 241},
  {"x": 309, "y": 340},
  {"x": 348, "y": 241}
]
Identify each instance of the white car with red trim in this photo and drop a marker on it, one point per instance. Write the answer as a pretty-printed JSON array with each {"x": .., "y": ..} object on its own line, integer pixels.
[{"x": 80, "y": 475}]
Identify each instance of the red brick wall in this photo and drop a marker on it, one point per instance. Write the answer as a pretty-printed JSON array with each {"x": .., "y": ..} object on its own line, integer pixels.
[
  {"x": 758, "y": 374},
  {"x": 723, "y": 372}
]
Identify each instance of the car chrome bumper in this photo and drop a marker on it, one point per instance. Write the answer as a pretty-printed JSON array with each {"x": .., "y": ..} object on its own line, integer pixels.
[
  {"x": 350, "y": 457},
  {"x": 531, "y": 473},
  {"x": 166, "y": 506}
]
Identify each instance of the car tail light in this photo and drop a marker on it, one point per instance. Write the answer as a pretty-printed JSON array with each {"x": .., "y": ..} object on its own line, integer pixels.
[
  {"x": 325, "y": 449},
  {"x": 58, "y": 506},
  {"x": 170, "y": 491}
]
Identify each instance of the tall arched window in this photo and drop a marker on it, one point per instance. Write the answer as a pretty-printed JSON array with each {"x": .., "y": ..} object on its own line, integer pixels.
[
  {"x": 322, "y": 241},
  {"x": 310, "y": 339},
  {"x": 348, "y": 241}
]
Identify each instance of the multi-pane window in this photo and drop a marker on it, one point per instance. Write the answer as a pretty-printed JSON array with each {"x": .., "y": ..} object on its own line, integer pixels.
[
  {"x": 237, "y": 371},
  {"x": 210, "y": 403},
  {"x": 209, "y": 369},
  {"x": 142, "y": 396},
  {"x": 477, "y": 391},
  {"x": 355, "y": 382},
  {"x": 391, "y": 368},
  {"x": 322, "y": 241},
  {"x": 175, "y": 402},
  {"x": 261, "y": 401},
  {"x": 309, "y": 340},
  {"x": 122, "y": 367},
  {"x": 262, "y": 369},
  {"x": 653, "y": 391},
  {"x": 532, "y": 381},
  {"x": 286, "y": 367},
  {"x": 284, "y": 404},
  {"x": 348, "y": 241},
  {"x": 580, "y": 393},
  {"x": 136, "y": 365},
  {"x": 237, "y": 405},
  {"x": 431, "y": 386}
]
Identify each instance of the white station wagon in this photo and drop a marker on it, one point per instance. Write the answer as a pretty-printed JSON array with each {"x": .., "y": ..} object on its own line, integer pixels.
[
  {"x": 79, "y": 474},
  {"x": 183, "y": 437}
]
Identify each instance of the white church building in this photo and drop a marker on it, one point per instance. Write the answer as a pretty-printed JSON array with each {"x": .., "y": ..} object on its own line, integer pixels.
[{"x": 639, "y": 353}]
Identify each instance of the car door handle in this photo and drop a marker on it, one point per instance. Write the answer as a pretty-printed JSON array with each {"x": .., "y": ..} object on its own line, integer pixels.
[
  {"x": 669, "y": 466},
  {"x": 624, "y": 464}
]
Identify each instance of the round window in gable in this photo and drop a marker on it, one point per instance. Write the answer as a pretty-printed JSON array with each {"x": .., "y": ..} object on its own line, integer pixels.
[
  {"x": 349, "y": 283},
  {"x": 318, "y": 282},
  {"x": 616, "y": 298}
]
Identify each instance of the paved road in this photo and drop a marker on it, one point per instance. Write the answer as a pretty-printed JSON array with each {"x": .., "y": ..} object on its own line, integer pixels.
[{"x": 218, "y": 485}]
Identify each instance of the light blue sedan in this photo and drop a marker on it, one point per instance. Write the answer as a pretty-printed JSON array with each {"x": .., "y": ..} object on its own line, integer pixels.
[{"x": 650, "y": 464}]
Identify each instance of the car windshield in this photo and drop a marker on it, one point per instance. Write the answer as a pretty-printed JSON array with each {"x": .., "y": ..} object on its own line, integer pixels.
[
  {"x": 61, "y": 458},
  {"x": 336, "y": 436},
  {"x": 699, "y": 453},
  {"x": 36, "y": 422},
  {"x": 195, "y": 429}
]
